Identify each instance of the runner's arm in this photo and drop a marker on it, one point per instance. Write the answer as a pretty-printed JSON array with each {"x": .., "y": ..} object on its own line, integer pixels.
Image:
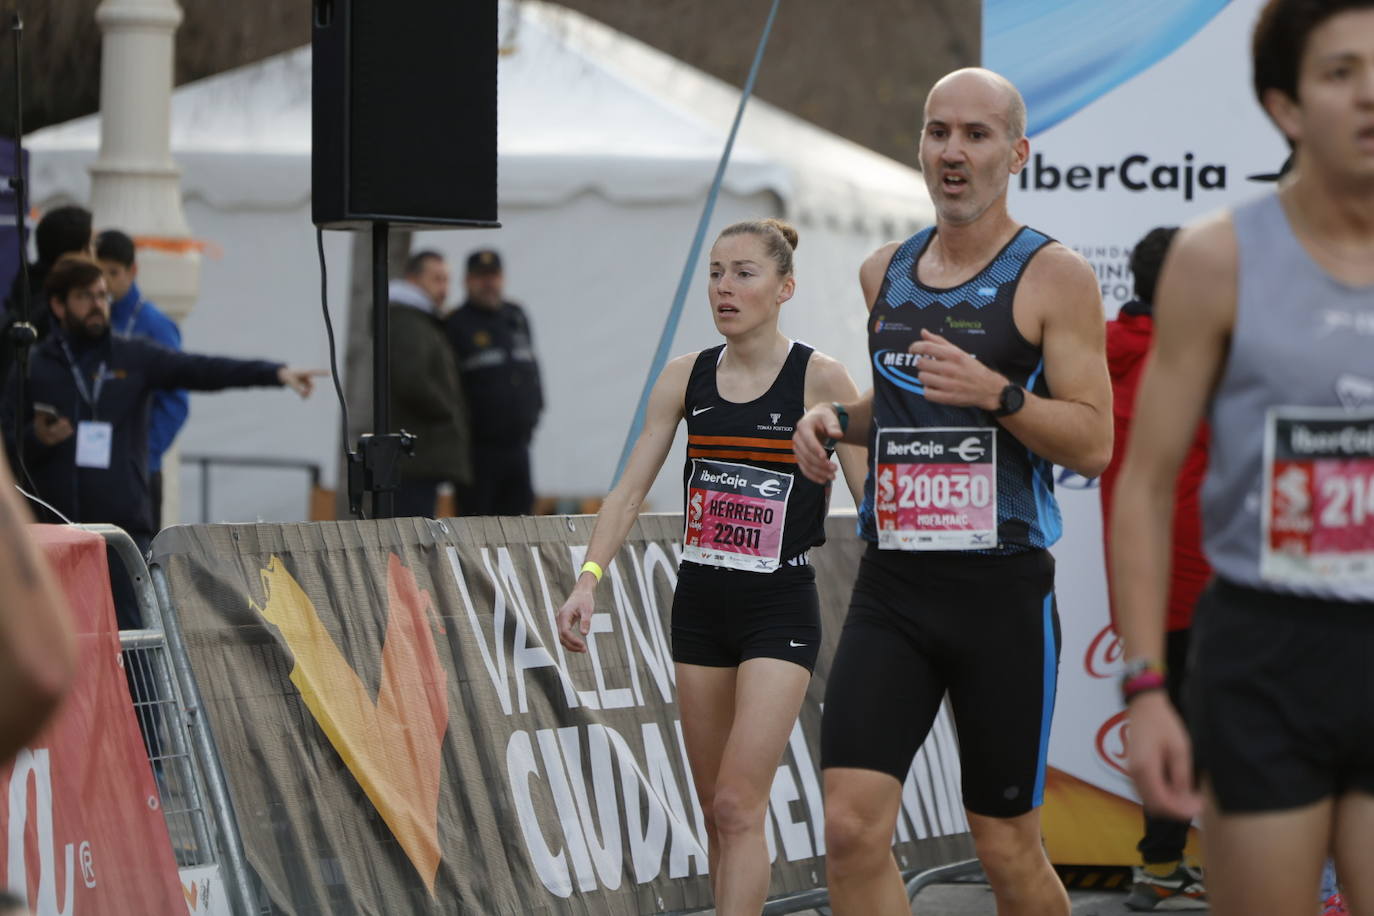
[
  {"x": 1194, "y": 314},
  {"x": 1073, "y": 426},
  {"x": 1194, "y": 310},
  {"x": 622, "y": 504},
  {"x": 37, "y": 650},
  {"x": 828, "y": 382}
]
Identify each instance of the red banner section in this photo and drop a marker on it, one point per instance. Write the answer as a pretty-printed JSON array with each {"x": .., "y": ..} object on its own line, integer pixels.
[{"x": 81, "y": 801}]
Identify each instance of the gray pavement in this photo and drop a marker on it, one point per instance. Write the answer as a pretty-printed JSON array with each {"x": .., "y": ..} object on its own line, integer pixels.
[{"x": 976, "y": 900}]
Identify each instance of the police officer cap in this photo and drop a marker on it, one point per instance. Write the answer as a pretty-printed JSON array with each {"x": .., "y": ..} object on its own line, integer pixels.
[{"x": 484, "y": 261}]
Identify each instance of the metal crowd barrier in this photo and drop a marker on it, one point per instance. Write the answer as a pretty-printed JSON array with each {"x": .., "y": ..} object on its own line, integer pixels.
[
  {"x": 206, "y": 462},
  {"x": 194, "y": 796},
  {"x": 185, "y": 761}
]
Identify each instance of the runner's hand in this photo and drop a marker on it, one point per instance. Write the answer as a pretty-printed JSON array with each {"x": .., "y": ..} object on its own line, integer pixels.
[
  {"x": 808, "y": 442},
  {"x": 1161, "y": 758},
  {"x": 575, "y": 619},
  {"x": 955, "y": 377}
]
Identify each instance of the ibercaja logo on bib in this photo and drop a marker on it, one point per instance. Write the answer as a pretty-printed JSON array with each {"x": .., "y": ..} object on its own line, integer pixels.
[
  {"x": 735, "y": 515},
  {"x": 937, "y": 488}
]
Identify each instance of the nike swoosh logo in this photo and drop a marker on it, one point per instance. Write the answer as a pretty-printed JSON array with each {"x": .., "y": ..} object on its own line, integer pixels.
[
  {"x": 794, "y": 644},
  {"x": 697, "y": 410}
]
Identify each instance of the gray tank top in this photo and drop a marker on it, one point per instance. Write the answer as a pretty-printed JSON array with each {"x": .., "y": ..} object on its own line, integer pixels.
[{"x": 1290, "y": 481}]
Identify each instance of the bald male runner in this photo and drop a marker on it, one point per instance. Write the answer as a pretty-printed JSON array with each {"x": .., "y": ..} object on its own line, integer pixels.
[
  {"x": 989, "y": 368},
  {"x": 1265, "y": 323}
]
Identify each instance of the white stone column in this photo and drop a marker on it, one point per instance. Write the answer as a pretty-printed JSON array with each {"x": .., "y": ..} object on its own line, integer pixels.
[{"x": 135, "y": 185}]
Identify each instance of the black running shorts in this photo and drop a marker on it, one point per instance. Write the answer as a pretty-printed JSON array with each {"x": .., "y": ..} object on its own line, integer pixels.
[
  {"x": 1281, "y": 697},
  {"x": 722, "y": 617},
  {"x": 985, "y": 629}
]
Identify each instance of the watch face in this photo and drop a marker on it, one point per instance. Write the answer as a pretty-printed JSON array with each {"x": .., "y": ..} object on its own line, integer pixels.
[{"x": 1012, "y": 398}]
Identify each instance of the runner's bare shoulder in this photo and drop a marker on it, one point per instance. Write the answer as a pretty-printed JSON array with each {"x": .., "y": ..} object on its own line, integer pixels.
[
  {"x": 873, "y": 270},
  {"x": 1058, "y": 286},
  {"x": 676, "y": 374},
  {"x": 1056, "y": 267},
  {"x": 1198, "y": 278}
]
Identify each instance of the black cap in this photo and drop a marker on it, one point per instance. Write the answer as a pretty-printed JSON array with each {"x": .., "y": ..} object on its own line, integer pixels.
[{"x": 484, "y": 261}]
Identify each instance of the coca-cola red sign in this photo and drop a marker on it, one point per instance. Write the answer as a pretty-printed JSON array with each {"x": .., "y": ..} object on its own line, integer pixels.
[
  {"x": 1103, "y": 658},
  {"x": 1113, "y": 742}
]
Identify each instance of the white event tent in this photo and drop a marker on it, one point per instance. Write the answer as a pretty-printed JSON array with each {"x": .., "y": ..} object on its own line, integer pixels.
[{"x": 607, "y": 148}]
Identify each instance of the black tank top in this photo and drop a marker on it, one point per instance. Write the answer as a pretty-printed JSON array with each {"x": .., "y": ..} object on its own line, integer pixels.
[
  {"x": 977, "y": 317},
  {"x": 746, "y": 504}
]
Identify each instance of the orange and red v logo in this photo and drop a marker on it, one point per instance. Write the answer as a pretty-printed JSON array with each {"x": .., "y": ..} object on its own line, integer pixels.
[{"x": 392, "y": 747}]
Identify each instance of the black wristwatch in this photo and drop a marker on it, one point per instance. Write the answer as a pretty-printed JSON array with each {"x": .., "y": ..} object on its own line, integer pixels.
[
  {"x": 1012, "y": 399},
  {"x": 842, "y": 416}
]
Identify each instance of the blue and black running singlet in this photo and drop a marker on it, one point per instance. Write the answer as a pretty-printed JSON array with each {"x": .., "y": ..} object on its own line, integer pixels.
[{"x": 951, "y": 478}]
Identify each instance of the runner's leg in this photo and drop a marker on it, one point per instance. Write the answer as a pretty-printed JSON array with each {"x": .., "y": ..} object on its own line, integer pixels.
[
  {"x": 768, "y": 696},
  {"x": 1018, "y": 870},
  {"x": 1353, "y": 838},
  {"x": 706, "y": 703},
  {"x": 860, "y": 818},
  {"x": 1269, "y": 862}
]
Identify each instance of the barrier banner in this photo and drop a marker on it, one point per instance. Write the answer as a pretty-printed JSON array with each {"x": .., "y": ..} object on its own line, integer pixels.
[
  {"x": 83, "y": 831},
  {"x": 1143, "y": 116},
  {"x": 403, "y": 733}
]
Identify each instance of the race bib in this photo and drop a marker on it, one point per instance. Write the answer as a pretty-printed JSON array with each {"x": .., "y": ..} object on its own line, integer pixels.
[
  {"x": 936, "y": 488},
  {"x": 735, "y": 515},
  {"x": 1317, "y": 522}
]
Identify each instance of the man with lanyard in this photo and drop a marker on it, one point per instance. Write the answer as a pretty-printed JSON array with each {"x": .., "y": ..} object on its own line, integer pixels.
[
  {"x": 986, "y": 340},
  {"x": 87, "y": 425},
  {"x": 1265, "y": 323},
  {"x": 133, "y": 316}
]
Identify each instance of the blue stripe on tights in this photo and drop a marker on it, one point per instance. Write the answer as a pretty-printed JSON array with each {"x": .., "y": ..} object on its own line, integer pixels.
[{"x": 1047, "y": 700}]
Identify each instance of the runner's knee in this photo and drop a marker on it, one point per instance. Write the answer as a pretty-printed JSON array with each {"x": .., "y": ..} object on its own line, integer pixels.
[
  {"x": 737, "y": 810},
  {"x": 853, "y": 842},
  {"x": 1007, "y": 853}
]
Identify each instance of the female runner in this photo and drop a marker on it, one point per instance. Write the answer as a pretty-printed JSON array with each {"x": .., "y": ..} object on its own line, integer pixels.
[{"x": 746, "y": 618}]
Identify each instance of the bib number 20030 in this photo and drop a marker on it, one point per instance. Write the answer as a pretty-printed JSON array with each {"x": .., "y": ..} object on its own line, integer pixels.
[{"x": 936, "y": 488}]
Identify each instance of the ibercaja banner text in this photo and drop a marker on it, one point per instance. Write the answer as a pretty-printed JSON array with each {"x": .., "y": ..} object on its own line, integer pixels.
[{"x": 402, "y": 731}]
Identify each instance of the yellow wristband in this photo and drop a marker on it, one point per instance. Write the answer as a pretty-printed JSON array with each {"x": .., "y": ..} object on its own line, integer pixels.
[{"x": 593, "y": 568}]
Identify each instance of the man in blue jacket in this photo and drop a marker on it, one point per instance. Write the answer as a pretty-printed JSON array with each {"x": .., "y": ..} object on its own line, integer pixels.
[
  {"x": 134, "y": 316},
  {"x": 86, "y": 428}
]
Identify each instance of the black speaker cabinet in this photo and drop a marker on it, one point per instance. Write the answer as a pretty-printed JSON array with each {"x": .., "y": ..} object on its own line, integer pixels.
[{"x": 404, "y": 100}]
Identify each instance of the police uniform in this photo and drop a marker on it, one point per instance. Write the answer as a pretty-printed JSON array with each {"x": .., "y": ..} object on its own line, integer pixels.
[{"x": 501, "y": 381}]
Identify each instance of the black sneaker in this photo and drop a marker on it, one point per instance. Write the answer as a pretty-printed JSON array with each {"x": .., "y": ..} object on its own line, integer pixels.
[{"x": 1181, "y": 890}]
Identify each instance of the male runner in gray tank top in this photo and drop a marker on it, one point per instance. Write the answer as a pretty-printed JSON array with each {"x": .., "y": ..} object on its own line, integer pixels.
[{"x": 1265, "y": 319}]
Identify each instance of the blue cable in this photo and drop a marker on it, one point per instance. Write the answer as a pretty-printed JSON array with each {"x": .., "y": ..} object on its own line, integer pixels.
[{"x": 665, "y": 340}]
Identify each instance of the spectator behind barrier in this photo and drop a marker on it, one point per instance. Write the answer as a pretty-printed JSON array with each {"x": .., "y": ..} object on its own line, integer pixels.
[
  {"x": 426, "y": 394},
  {"x": 62, "y": 231},
  {"x": 491, "y": 337},
  {"x": 86, "y": 427},
  {"x": 134, "y": 316}
]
